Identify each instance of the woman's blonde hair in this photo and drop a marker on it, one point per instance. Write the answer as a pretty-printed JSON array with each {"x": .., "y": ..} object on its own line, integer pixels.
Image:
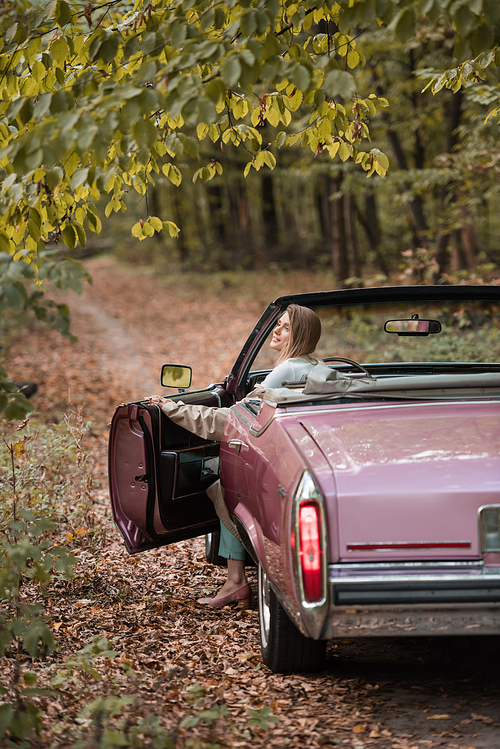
[{"x": 305, "y": 332}]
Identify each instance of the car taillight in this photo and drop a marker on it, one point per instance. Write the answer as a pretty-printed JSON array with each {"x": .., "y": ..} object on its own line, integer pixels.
[
  {"x": 310, "y": 551},
  {"x": 490, "y": 528}
]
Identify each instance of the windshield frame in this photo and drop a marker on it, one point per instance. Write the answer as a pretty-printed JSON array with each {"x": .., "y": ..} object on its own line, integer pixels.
[{"x": 237, "y": 380}]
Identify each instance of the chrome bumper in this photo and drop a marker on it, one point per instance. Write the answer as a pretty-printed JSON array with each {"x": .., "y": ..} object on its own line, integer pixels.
[{"x": 461, "y": 599}]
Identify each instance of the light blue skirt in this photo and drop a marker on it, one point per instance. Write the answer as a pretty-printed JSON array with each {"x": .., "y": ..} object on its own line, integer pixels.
[{"x": 230, "y": 547}]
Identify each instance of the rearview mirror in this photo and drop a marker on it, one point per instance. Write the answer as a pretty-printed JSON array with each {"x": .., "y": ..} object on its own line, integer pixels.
[
  {"x": 414, "y": 326},
  {"x": 176, "y": 376}
]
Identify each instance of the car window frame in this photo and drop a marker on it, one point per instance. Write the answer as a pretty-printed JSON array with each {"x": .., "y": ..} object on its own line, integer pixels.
[{"x": 237, "y": 380}]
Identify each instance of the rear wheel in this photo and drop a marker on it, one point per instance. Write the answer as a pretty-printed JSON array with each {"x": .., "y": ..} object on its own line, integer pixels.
[{"x": 284, "y": 649}]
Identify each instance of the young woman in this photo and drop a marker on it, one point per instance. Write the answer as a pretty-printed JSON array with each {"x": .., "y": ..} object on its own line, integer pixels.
[{"x": 295, "y": 338}]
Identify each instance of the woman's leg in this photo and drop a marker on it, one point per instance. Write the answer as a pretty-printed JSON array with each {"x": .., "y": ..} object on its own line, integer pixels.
[
  {"x": 235, "y": 588},
  {"x": 233, "y": 550}
]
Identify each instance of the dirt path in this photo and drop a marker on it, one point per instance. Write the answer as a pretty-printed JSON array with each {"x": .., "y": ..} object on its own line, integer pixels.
[{"x": 402, "y": 694}]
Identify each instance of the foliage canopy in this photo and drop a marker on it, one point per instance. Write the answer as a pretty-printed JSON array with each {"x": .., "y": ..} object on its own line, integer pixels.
[{"x": 97, "y": 101}]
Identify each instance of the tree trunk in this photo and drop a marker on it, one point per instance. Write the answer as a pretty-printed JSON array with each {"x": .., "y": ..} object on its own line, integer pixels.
[
  {"x": 371, "y": 226},
  {"x": 448, "y": 192},
  {"x": 269, "y": 219},
  {"x": 469, "y": 242},
  {"x": 351, "y": 233},
  {"x": 415, "y": 204},
  {"x": 340, "y": 261}
]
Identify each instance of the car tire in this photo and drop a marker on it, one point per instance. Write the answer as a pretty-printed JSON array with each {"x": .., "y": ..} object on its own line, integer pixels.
[
  {"x": 212, "y": 549},
  {"x": 284, "y": 648}
]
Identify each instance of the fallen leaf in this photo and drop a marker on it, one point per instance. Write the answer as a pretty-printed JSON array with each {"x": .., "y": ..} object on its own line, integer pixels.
[
  {"x": 484, "y": 718},
  {"x": 438, "y": 717},
  {"x": 359, "y": 728}
]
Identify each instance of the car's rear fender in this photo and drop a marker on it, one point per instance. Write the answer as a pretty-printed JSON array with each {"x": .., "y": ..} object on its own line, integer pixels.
[
  {"x": 251, "y": 534},
  {"x": 307, "y": 621}
]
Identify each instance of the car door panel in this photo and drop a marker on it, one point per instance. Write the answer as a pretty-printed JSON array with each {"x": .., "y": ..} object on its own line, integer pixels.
[{"x": 159, "y": 474}]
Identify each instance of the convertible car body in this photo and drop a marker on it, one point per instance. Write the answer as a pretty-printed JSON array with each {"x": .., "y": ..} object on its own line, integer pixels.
[{"x": 368, "y": 495}]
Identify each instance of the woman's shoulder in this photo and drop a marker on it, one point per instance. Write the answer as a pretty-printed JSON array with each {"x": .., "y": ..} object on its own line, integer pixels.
[
  {"x": 290, "y": 369},
  {"x": 302, "y": 360}
]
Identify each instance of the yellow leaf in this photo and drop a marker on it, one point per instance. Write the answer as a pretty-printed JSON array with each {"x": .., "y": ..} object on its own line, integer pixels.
[
  {"x": 273, "y": 116},
  {"x": 269, "y": 159},
  {"x": 358, "y": 729},
  {"x": 352, "y": 58},
  {"x": 201, "y": 130},
  {"x": 344, "y": 151},
  {"x": 155, "y": 223},
  {"x": 137, "y": 230},
  {"x": 171, "y": 228},
  {"x": 81, "y": 531},
  {"x": 259, "y": 161}
]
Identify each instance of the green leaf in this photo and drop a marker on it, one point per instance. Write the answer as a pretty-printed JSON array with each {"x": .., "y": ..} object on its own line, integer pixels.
[
  {"x": 62, "y": 13},
  {"x": 18, "y": 408},
  {"x": 26, "y": 112},
  {"x": 145, "y": 132},
  {"x": 59, "y": 51},
  {"x": 54, "y": 177},
  {"x": 281, "y": 139},
  {"x": 78, "y": 178},
  {"x": 42, "y": 105},
  {"x": 301, "y": 77},
  {"x": 69, "y": 236},
  {"x": 38, "y": 692},
  {"x": 464, "y": 21},
  {"x": 231, "y": 71},
  {"x": 94, "y": 222},
  {"x": 30, "y": 678},
  {"x": 339, "y": 83},
  {"x": 109, "y": 49},
  {"x": 6, "y": 715},
  {"x": 15, "y": 295},
  {"x": 404, "y": 25},
  {"x": 216, "y": 90},
  {"x": 82, "y": 237}
]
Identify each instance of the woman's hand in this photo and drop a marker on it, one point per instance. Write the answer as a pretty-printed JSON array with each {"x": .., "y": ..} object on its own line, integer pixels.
[{"x": 159, "y": 400}]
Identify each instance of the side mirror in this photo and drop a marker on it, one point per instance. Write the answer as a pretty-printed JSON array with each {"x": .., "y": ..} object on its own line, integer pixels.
[
  {"x": 414, "y": 326},
  {"x": 176, "y": 376}
]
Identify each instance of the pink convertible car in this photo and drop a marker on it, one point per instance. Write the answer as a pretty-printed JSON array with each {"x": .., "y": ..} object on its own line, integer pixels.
[{"x": 367, "y": 495}]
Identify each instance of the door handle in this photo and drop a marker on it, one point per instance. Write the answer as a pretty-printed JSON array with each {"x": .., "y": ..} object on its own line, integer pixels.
[{"x": 237, "y": 445}]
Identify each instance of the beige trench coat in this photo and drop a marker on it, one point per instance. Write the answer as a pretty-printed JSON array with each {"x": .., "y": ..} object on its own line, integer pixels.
[{"x": 206, "y": 422}]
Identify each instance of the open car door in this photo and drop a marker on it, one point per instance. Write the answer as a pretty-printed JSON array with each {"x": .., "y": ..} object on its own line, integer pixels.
[{"x": 159, "y": 474}]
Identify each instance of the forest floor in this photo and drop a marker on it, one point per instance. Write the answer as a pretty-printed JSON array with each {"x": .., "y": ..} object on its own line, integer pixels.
[{"x": 182, "y": 662}]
